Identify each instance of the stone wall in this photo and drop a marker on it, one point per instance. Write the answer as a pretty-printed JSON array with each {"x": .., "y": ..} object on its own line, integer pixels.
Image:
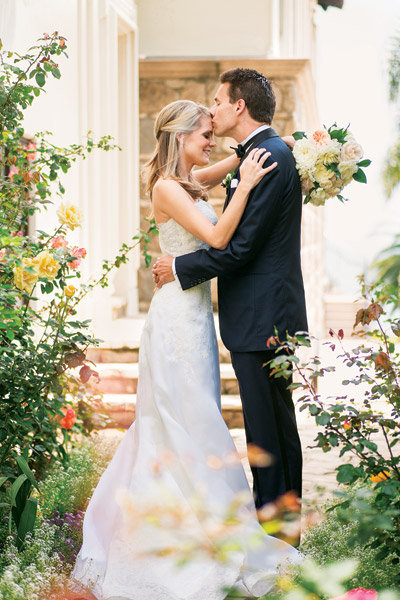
[{"x": 163, "y": 81}]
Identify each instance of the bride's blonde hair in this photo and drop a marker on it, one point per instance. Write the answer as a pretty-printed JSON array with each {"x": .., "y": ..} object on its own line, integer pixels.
[{"x": 180, "y": 117}]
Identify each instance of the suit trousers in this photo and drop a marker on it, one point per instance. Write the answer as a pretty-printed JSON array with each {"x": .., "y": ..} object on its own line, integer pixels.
[{"x": 270, "y": 423}]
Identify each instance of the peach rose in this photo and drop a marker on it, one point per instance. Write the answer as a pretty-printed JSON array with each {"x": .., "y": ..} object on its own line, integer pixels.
[
  {"x": 47, "y": 266},
  {"x": 69, "y": 215},
  {"x": 351, "y": 152},
  {"x": 23, "y": 279},
  {"x": 321, "y": 137}
]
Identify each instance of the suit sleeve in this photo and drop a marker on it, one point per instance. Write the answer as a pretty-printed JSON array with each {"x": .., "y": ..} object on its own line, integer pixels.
[{"x": 257, "y": 221}]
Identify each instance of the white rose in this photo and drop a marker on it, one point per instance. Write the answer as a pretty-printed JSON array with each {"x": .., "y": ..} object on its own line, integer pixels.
[
  {"x": 330, "y": 152},
  {"x": 305, "y": 154},
  {"x": 318, "y": 197},
  {"x": 347, "y": 170},
  {"x": 351, "y": 152}
]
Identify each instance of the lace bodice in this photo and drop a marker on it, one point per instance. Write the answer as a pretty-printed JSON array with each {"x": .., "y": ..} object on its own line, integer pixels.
[{"x": 175, "y": 240}]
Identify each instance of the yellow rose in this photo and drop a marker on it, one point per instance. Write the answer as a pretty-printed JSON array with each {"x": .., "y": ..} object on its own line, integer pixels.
[
  {"x": 69, "y": 290},
  {"x": 347, "y": 171},
  {"x": 69, "y": 215},
  {"x": 318, "y": 197},
  {"x": 25, "y": 280},
  {"x": 47, "y": 266},
  {"x": 323, "y": 176}
]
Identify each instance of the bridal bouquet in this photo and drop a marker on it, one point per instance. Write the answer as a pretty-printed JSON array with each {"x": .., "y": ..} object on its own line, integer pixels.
[{"x": 328, "y": 160}]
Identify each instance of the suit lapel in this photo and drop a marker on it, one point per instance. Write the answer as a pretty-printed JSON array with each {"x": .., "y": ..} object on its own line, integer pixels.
[{"x": 265, "y": 134}]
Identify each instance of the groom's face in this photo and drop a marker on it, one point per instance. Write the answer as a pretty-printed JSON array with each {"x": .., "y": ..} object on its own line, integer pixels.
[{"x": 223, "y": 113}]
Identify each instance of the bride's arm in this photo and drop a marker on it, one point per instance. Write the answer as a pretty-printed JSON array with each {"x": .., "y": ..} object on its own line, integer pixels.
[
  {"x": 172, "y": 200},
  {"x": 213, "y": 175}
]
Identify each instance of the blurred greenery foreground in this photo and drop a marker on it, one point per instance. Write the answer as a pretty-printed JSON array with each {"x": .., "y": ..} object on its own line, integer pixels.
[{"x": 51, "y": 457}]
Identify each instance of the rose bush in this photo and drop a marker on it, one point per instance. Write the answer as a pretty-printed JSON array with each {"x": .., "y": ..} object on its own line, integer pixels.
[
  {"x": 42, "y": 338},
  {"x": 353, "y": 416}
]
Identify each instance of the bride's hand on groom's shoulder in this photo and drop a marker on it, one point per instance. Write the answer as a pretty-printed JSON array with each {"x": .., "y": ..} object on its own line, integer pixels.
[
  {"x": 289, "y": 141},
  {"x": 252, "y": 170}
]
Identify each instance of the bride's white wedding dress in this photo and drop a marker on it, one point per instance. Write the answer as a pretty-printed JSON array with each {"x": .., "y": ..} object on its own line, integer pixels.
[{"x": 173, "y": 479}]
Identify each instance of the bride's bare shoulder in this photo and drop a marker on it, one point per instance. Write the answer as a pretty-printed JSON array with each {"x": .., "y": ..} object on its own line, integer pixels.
[{"x": 165, "y": 186}]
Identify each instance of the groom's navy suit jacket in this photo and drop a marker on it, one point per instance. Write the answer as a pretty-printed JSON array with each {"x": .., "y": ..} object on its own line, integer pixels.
[{"x": 260, "y": 285}]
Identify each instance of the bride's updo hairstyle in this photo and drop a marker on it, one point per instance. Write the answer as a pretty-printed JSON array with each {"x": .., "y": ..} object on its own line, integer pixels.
[{"x": 180, "y": 117}]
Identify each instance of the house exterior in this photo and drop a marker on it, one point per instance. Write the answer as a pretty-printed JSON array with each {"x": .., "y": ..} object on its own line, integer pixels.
[{"x": 126, "y": 60}]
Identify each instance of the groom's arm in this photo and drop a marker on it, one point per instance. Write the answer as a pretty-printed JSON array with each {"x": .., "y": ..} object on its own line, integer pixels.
[{"x": 256, "y": 224}]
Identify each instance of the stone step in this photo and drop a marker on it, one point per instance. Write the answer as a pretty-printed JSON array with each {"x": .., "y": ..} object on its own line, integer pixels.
[
  {"x": 122, "y": 378},
  {"x": 121, "y": 410},
  {"x": 131, "y": 354}
]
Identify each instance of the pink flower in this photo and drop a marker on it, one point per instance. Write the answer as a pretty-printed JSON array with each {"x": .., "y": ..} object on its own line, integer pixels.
[
  {"x": 321, "y": 137},
  {"x": 13, "y": 171},
  {"x": 79, "y": 253},
  {"x": 31, "y": 150},
  {"x": 59, "y": 242},
  {"x": 358, "y": 594}
]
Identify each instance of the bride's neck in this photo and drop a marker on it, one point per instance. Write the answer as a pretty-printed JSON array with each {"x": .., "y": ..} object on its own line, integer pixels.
[{"x": 184, "y": 168}]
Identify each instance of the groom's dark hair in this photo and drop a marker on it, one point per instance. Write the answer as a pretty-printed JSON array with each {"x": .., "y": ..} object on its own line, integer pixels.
[{"x": 255, "y": 89}]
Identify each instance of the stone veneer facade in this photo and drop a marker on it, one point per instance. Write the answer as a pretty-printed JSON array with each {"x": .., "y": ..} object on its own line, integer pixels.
[{"x": 163, "y": 81}]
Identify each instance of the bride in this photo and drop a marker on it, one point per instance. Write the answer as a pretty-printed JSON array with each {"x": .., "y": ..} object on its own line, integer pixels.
[{"x": 173, "y": 491}]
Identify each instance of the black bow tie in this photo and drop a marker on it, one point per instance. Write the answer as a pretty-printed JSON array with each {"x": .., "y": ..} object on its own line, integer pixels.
[{"x": 240, "y": 150}]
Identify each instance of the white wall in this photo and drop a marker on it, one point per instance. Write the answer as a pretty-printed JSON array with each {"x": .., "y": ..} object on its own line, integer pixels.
[
  {"x": 22, "y": 23},
  {"x": 189, "y": 28}
]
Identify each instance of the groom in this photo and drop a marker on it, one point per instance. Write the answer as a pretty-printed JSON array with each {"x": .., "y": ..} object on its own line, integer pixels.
[{"x": 260, "y": 285}]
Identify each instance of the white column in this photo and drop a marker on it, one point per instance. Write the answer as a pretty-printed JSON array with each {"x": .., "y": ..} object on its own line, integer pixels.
[{"x": 126, "y": 283}]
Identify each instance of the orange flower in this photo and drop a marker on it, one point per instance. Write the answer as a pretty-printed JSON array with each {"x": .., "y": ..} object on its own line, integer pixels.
[
  {"x": 346, "y": 424},
  {"x": 69, "y": 290},
  {"x": 69, "y": 419},
  {"x": 321, "y": 137},
  {"x": 382, "y": 476}
]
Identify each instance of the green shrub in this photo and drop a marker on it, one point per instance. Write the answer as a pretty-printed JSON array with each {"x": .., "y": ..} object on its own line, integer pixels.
[
  {"x": 66, "y": 489},
  {"x": 334, "y": 540}
]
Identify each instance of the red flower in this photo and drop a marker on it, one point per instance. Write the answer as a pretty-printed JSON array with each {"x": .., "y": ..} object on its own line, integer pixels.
[
  {"x": 69, "y": 419},
  {"x": 358, "y": 594}
]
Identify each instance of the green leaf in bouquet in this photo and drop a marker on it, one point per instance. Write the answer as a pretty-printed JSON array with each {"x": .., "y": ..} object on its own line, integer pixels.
[
  {"x": 364, "y": 163},
  {"x": 298, "y": 135},
  {"x": 334, "y": 168},
  {"x": 360, "y": 176}
]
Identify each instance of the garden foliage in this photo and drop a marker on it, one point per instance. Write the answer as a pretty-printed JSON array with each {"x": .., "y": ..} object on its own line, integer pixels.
[{"x": 43, "y": 341}]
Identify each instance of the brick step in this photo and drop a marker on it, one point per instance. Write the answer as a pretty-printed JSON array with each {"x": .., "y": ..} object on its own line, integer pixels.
[
  {"x": 122, "y": 378},
  {"x": 121, "y": 409},
  {"x": 131, "y": 354}
]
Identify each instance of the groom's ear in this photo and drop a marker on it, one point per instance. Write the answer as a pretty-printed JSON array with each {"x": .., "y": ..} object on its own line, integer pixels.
[{"x": 240, "y": 106}]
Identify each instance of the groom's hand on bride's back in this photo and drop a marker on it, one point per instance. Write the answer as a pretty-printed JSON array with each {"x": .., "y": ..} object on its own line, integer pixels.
[{"x": 162, "y": 271}]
